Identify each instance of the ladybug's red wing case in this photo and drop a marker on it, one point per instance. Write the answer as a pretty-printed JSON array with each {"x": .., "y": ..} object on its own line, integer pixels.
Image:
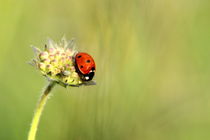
[{"x": 85, "y": 66}]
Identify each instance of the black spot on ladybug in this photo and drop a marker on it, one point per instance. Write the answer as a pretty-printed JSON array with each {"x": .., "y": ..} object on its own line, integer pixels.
[
  {"x": 88, "y": 61},
  {"x": 79, "y": 56},
  {"x": 81, "y": 67}
]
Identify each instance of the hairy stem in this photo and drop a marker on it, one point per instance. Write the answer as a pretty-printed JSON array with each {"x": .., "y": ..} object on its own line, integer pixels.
[{"x": 38, "y": 111}]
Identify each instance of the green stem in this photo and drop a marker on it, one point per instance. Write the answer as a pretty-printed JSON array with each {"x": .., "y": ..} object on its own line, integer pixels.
[{"x": 38, "y": 111}]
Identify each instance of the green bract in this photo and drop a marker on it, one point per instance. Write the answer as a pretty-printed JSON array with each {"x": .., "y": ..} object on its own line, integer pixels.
[{"x": 56, "y": 62}]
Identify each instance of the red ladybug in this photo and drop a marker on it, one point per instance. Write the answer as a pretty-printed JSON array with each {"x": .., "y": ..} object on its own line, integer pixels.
[{"x": 85, "y": 66}]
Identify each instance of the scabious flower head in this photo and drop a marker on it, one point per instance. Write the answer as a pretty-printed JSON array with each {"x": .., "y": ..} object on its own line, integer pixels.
[{"x": 56, "y": 62}]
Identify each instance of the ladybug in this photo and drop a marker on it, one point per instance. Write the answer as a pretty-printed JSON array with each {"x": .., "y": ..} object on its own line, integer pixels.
[{"x": 85, "y": 66}]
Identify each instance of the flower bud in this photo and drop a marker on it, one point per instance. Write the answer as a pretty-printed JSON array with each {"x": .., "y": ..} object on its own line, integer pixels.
[
  {"x": 46, "y": 61},
  {"x": 42, "y": 66},
  {"x": 43, "y": 55},
  {"x": 51, "y": 51}
]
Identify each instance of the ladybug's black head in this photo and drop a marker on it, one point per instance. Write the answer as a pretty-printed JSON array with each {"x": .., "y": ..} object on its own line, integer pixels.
[{"x": 88, "y": 77}]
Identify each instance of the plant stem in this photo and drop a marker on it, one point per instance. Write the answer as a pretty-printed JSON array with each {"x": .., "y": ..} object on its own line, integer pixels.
[{"x": 38, "y": 111}]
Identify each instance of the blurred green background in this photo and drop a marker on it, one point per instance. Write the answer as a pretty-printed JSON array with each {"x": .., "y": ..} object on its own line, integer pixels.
[{"x": 153, "y": 69}]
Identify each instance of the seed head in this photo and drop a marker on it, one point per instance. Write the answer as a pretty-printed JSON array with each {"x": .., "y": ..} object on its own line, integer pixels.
[{"x": 56, "y": 62}]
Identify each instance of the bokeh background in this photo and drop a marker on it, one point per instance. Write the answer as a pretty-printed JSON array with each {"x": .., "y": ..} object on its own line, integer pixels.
[{"x": 153, "y": 69}]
